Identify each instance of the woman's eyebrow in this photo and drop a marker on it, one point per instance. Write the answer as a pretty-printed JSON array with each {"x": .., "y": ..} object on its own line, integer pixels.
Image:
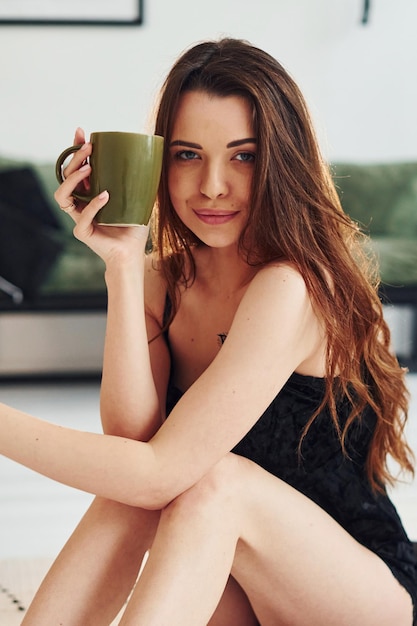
[
  {"x": 187, "y": 144},
  {"x": 240, "y": 142},
  {"x": 231, "y": 144}
]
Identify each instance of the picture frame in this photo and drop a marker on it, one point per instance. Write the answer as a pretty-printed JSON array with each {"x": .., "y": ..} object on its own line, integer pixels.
[{"x": 71, "y": 12}]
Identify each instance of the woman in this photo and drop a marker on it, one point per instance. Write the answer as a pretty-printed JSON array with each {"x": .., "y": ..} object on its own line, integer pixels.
[{"x": 256, "y": 325}]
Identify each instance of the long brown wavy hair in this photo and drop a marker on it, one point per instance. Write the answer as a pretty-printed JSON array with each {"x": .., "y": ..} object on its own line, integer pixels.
[{"x": 295, "y": 216}]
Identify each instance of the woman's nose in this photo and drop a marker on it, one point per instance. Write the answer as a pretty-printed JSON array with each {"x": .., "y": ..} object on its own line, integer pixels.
[{"x": 213, "y": 181}]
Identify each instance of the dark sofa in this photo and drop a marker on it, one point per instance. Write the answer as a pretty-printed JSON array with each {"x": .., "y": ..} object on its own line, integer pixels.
[{"x": 42, "y": 265}]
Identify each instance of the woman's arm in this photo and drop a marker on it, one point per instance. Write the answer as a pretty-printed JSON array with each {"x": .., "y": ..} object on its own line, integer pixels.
[
  {"x": 133, "y": 391},
  {"x": 135, "y": 372},
  {"x": 105, "y": 465},
  {"x": 275, "y": 330}
]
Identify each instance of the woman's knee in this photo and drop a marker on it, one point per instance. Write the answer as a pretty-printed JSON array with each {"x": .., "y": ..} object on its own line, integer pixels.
[
  {"x": 124, "y": 520},
  {"x": 214, "y": 491}
]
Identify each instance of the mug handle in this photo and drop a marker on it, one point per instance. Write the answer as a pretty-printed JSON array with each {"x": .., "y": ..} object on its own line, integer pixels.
[{"x": 59, "y": 170}]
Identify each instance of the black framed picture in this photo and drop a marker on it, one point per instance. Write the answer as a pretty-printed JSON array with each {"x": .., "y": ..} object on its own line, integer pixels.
[{"x": 77, "y": 12}]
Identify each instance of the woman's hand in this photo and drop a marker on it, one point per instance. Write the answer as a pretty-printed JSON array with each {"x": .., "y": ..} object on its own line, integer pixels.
[{"x": 111, "y": 243}]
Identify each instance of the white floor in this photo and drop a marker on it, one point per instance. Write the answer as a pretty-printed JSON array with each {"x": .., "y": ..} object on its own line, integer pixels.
[{"x": 37, "y": 515}]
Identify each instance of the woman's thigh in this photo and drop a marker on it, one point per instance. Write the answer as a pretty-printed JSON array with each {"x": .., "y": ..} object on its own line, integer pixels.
[
  {"x": 298, "y": 566},
  {"x": 97, "y": 568},
  {"x": 234, "y": 607}
]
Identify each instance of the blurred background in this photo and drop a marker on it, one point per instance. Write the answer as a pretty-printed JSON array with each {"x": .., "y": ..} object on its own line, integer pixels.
[
  {"x": 358, "y": 78},
  {"x": 355, "y": 61}
]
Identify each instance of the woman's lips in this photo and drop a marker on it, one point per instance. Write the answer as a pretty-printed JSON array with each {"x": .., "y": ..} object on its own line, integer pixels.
[{"x": 215, "y": 217}]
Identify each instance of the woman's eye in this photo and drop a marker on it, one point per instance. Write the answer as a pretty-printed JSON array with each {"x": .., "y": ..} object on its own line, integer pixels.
[
  {"x": 186, "y": 155},
  {"x": 245, "y": 157}
]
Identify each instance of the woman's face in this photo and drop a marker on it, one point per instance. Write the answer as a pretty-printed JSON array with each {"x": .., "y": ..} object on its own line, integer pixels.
[{"x": 211, "y": 165}]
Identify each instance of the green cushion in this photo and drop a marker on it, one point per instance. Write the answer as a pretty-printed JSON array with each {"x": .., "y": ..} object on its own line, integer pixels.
[
  {"x": 382, "y": 198},
  {"x": 397, "y": 260}
]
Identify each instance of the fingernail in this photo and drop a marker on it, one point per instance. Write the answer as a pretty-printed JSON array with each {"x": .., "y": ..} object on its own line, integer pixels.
[
  {"x": 84, "y": 146},
  {"x": 84, "y": 168},
  {"x": 103, "y": 194}
]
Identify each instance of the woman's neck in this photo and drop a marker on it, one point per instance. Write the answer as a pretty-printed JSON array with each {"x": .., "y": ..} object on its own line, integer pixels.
[{"x": 223, "y": 271}]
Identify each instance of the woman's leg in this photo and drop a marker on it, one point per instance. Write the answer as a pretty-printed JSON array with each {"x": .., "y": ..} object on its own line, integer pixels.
[
  {"x": 295, "y": 563},
  {"x": 97, "y": 568},
  {"x": 234, "y": 607}
]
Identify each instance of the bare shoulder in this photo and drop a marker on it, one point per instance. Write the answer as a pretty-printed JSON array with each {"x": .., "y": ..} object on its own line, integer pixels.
[
  {"x": 277, "y": 283},
  {"x": 277, "y": 312},
  {"x": 280, "y": 271}
]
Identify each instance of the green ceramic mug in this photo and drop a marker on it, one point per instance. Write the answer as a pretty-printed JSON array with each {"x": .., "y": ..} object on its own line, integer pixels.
[{"x": 128, "y": 166}]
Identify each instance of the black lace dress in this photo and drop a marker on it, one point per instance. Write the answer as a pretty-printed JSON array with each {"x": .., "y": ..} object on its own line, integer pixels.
[{"x": 336, "y": 483}]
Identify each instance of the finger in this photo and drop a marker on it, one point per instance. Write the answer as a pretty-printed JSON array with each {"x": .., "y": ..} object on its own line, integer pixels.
[
  {"x": 79, "y": 136},
  {"x": 85, "y": 226},
  {"x": 72, "y": 206},
  {"x": 79, "y": 139},
  {"x": 66, "y": 190},
  {"x": 96, "y": 204},
  {"x": 78, "y": 159}
]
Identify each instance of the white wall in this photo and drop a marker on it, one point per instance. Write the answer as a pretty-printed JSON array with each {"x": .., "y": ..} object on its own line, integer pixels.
[{"x": 360, "y": 81}]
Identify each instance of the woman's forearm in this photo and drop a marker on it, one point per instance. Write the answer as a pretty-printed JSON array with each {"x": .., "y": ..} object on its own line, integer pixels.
[
  {"x": 112, "y": 467},
  {"x": 129, "y": 401}
]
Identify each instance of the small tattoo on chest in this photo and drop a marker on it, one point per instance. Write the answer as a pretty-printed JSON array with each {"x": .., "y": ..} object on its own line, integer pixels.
[{"x": 221, "y": 338}]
